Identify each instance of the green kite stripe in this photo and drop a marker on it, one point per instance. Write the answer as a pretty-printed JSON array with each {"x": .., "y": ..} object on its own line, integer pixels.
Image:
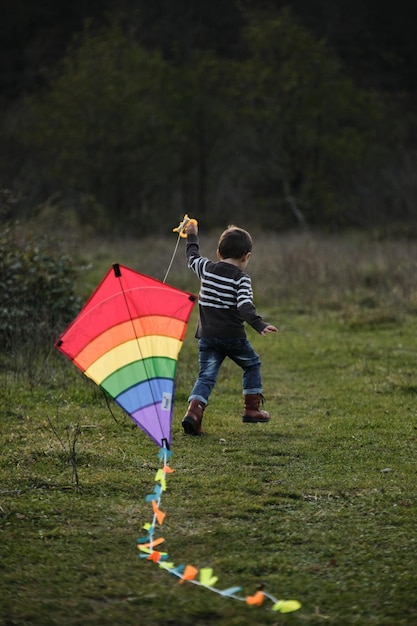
[{"x": 138, "y": 371}]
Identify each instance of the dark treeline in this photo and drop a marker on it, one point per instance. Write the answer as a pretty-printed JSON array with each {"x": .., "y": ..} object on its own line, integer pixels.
[{"x": 125, "y": 113}]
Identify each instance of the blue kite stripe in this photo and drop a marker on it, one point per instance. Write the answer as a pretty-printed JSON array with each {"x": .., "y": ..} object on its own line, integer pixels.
[{"x": 147, "y": 393}]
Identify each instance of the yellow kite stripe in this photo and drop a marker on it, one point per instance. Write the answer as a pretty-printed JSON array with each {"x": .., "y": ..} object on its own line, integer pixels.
[{"x": 150, "y": 346}]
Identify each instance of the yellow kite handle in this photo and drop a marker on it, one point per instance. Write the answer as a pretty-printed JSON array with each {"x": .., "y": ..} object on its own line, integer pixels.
[{"x": 181, "y": 226}]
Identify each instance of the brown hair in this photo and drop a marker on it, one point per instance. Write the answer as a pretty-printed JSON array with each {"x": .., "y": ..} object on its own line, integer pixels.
[{"x": 234, "y": 243}]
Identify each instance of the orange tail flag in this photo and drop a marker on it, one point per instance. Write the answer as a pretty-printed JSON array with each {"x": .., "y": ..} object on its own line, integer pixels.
[
  {"x": 160, "y": 516},
  {"x": 257, "y": 599},
  {"x": 190, "y": 573}
]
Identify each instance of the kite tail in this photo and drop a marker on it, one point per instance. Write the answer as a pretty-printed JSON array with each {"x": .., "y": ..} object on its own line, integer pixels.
[{"x": 188, "y": 573}]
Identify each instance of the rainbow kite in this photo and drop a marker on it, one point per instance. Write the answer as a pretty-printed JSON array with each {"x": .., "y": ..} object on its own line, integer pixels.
[{"x": 127, "y": 339}]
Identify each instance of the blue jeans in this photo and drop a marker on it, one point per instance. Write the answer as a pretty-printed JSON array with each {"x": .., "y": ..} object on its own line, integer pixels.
[{"x": 212, "y": 353}]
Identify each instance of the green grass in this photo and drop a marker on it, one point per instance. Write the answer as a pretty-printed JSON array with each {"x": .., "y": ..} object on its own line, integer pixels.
[
  {"x": 305, "y": 505},
  {"x": 319, "y": 505}
]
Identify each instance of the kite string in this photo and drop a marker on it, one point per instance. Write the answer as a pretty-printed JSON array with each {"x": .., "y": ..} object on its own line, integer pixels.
[
  {"x": 180, "y": 230},
  {"x": 172, "y": 258}
]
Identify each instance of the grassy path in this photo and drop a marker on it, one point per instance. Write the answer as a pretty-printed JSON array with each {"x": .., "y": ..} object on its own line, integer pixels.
[{"x": 320, "y": 504}]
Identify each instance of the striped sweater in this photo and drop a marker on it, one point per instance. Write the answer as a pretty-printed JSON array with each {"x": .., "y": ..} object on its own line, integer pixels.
[{"x": 225, "y": 299}]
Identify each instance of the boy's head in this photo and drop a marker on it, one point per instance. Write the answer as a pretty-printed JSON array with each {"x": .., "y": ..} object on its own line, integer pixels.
[{"x": 234, "y": 243}]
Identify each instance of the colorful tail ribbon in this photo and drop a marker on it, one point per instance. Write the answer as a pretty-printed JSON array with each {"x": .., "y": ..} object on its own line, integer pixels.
[{"x": 188, "y": 573}]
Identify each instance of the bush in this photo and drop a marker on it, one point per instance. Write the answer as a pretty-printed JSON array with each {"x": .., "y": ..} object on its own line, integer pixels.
[{"x": 37, "y": 297}]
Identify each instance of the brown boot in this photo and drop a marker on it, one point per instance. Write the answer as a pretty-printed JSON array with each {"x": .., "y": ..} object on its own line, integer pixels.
[
  {"x": 252, "y": 413},
  {"x": 193, "y": 418}
]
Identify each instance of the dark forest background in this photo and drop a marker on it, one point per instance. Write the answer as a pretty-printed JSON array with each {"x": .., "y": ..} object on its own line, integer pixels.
[{"x": 116, "y": 115}]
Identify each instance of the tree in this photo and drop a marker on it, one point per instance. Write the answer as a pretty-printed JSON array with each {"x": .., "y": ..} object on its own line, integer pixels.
[
  {"x": 204, "y": 125},
  {"x": 130, "y": 138},
  {"x": 133, "y": 136},
  {"x": 311, "y": 129},
  {"x": 100, "y": 129}
]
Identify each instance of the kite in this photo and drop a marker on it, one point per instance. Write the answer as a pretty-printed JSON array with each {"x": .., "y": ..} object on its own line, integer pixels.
[{"x": 127, "y": 339}]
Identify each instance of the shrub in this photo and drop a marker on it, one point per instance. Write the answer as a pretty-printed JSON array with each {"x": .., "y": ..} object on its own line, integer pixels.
[{"x": 37, "y": 296}]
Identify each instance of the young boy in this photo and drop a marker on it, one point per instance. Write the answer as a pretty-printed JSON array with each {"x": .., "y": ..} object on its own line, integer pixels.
[{"x": 225, "y": 303}]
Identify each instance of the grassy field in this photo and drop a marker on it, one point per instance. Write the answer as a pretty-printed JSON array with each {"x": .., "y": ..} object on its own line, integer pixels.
[{"x": 318, "y": 505}]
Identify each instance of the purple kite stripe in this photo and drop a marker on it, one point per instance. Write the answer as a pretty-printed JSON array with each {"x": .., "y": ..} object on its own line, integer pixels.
[{"x": 155, "y": 422}]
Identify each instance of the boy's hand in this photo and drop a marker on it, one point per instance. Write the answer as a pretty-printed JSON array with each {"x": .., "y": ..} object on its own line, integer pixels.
[
  {"x": 191, "y": 228},
  {"x": 269, "y": 329}
]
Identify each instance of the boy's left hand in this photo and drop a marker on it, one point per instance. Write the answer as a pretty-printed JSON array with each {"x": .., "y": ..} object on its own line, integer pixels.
[{"x": 269, "y": 329}]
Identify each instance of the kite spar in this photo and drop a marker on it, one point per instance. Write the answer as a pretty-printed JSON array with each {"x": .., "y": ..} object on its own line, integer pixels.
[{"x": 127, "y": 339}]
